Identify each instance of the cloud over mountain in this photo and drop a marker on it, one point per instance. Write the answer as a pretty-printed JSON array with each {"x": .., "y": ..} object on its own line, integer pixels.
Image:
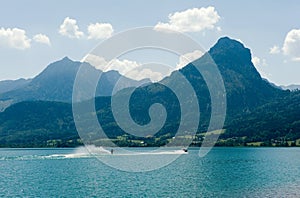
[
  {"x": 188, "y": 57},
  {"x": 129, "y": 68}
]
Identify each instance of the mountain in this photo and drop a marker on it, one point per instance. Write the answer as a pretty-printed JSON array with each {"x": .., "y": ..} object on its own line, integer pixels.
[
  {"x": 8, "y": 85},
  {"x": 55, "y": 83},
  {"x": 31, "y": 124},
  {"x": 245, "y": 88},
  {"x": 273, "y": 84},
  {"x": 277, "y": 120},
  {"x": 254, "y": 106}
]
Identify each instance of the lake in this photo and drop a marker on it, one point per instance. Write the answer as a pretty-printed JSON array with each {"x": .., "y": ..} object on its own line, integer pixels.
[{"x": 224, "y": 172}]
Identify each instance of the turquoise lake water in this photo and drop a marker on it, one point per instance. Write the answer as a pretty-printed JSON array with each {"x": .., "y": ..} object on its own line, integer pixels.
[{"x": 224, "y": 172}]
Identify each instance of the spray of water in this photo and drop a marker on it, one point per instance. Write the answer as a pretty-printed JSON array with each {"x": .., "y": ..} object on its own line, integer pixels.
[{"x": 91, "y": 151}]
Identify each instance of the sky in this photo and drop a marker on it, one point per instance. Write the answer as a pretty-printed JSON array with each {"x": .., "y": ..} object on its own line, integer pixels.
[{"x": 34, "y": 34}]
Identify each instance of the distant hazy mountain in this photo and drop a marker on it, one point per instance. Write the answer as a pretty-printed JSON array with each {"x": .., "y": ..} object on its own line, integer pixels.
[
  {"x": 290, "y": 87},
  {"x": 8, "y": 85},
  {"x": 55, "y": 83}
]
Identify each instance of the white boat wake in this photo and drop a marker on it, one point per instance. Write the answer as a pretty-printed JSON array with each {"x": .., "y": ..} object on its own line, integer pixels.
[{"x": 92, "y": 151}]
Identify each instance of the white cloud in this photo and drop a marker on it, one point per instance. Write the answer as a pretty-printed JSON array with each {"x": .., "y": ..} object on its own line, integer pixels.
[
  {"x": 191, "y": 20},
  {"x": 100, "y": 31},
  {"x": 260, "y": 65},
  {"x": 259, "y": 62},
  {"x": 291, "y": 46},
  {"x": 145, "y": 73},
  {"x": 274, "y": 50},
  {"x": 96, "y": 61},
  {"x": 219, "y": 29},
  {"x": 188, "y": 57},
  {"x": 70, "y": 28},
  {"x": 138, "y": 71},
  {"x": 123, "y": 66},
  {"x": 42, "y": 38},
  {"x": 128, "y": 68},
  {"x": 255, "y": 60},
  {"x": 14, "y": 38}
]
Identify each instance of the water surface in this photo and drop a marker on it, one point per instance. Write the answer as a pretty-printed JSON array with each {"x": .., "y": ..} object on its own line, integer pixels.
[{"x": 224, "y": 172}]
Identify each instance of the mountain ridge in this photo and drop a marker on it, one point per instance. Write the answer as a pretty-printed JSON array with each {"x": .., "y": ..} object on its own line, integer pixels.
[
  {"x": 8, "y": 85},
  {"x": 247, "y": 93},
  {"x": 55, "y": 83}
]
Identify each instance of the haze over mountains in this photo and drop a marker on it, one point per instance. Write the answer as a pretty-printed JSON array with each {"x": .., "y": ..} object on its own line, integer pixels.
[
  {"x": 249, "y": 97},
  {"x": 55, "y": 83},
  {"x": 8, "y": 85}
]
